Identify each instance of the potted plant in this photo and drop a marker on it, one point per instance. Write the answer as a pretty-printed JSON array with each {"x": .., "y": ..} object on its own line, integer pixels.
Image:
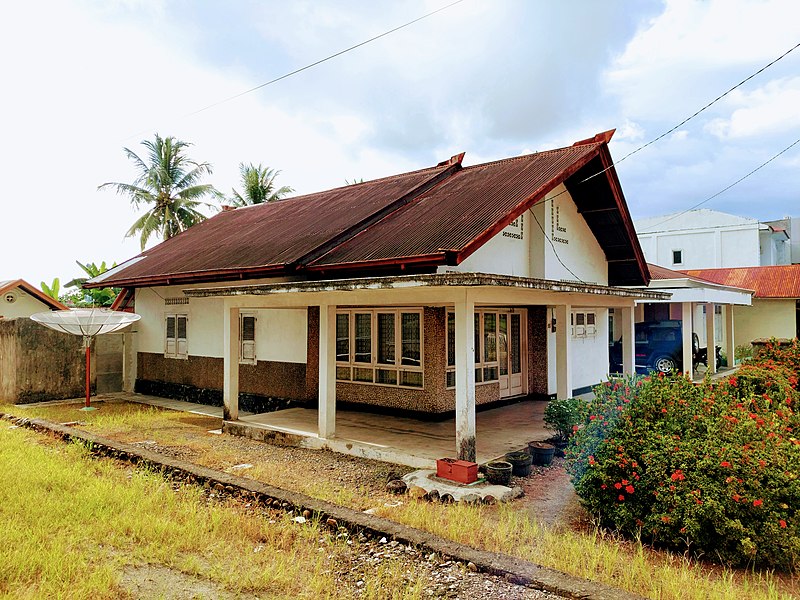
[{"x": 561, "y": 416}]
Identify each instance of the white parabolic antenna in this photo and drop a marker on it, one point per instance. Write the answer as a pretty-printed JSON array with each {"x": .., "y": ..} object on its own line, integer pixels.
[{"x": 87, "y": 323}]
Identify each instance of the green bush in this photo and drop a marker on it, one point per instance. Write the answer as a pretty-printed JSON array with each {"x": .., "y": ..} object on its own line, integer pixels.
[
  {"x": 710, "y": 468},
  {"x": 562, "y": 416}
]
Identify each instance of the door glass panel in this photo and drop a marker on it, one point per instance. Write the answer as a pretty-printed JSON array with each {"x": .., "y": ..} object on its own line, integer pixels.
[
  {"x": 343, "y": 338},
  {"x": 489, "y": 337},
  {"x": 516, "y": 344},
  {"x": 502, "y": 343}
]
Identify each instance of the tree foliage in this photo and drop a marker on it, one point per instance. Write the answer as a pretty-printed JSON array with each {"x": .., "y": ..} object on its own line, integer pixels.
[
  {"x": 79, "y": 297},
  {"x": 258, "y": 186},
  {"x": 169, "y": 185},
  {"x": 53, "y": 289}
]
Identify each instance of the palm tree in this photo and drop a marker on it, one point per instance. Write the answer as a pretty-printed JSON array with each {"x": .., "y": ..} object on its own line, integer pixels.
[
  {"x": 168, "y": 184},
  {"x": 258, "y": 183}
]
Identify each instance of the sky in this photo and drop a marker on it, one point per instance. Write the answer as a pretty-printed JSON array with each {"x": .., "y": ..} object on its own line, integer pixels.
[{"x": 493, "y": 78}]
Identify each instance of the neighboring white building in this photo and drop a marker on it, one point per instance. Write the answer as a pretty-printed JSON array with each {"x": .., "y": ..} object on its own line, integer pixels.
[
  {"x": 18, "y": 298},
  {"x": 710, "y": 239}
]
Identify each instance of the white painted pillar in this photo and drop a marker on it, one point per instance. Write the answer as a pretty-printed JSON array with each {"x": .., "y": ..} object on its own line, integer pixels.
[
  {"x": 710, "y": 337},
  {"x": 563, "y": 364},
  {"x": 628, "y": 328},
  {"x": 327, "y": 371},
  {"x": 230, "y": 364},
  {"x": 465, "y": 377},
  {"x": 686, "y": 332},
  {"x": 730, "y": 342}
]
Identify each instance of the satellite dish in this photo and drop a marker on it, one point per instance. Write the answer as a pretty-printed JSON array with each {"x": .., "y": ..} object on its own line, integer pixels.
[{"x": 87, "y": 323}]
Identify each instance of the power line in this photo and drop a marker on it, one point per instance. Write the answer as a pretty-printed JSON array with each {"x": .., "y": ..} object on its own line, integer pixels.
[
  {"x": 722, "y": 191},
  {"x": 547, "y": 237},
  {"x": 693, "y": 115}
]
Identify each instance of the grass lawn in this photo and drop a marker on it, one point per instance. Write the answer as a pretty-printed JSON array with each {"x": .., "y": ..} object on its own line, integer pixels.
[
  {"x": 503, "y": 528},
  {"x": 77, "y": 527}
]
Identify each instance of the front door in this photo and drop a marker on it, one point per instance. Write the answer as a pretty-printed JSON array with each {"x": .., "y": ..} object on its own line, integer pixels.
[{"x": 510, "y": 349}]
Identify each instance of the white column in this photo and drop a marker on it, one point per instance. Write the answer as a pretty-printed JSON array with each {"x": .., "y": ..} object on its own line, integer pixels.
[
  {"x": 730, "y": 346},
  {"x": 327, "y": 371},
  {"x": 686, "y": 331},
  {"x": 563, "y": 365},
  {"x": 710, "y": 337},
  {"x": 628, "y": 328},
  {"x": 465, "y": 377},
  {"x": 230, "y": 364}
]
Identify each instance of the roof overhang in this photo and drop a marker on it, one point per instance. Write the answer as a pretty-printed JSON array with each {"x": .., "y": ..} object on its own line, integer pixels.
[{"x": 429, "y": 281}]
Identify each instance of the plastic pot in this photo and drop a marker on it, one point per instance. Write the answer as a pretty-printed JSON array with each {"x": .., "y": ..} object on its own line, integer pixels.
[
  {"x": 520, "y": 463},
  {"x": 541, "y": 453}
]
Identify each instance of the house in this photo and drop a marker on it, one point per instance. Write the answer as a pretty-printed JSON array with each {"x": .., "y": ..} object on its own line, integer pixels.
[
  {"x": 427, "y": 294},
  {"x": 775, "y": 310},
  {"x": 18, "y": 298},
  {"x": 691, "y": 299},
  {"x": 709, "y": 239}
]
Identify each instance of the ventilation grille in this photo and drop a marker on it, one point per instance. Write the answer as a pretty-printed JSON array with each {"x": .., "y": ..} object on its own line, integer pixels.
[{"x": 176, "y": 301}]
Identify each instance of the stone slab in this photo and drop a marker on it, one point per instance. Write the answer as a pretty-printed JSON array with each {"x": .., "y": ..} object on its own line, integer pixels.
[{"x": 428, "y": 481}]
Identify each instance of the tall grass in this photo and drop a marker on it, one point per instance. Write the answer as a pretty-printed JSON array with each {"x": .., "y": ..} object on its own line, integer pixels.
[
  {"x": 69, "y": 525},
  {"x": 507, "y": 528}
]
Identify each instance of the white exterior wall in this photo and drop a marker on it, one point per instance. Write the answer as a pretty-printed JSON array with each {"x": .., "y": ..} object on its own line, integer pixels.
[
  {"x": 764, "y": 319},
  {"x": 281, "y": 334},
  {"x": 589, "y": 354},
  {"x": 533, "y": 255},
  {"x": 24, "y": 305},
  {"x": 505, "y": 254},
  {"x": 708, "y": 239}
]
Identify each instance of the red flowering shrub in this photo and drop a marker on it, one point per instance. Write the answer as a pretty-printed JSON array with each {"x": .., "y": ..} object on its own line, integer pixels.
[{"x": 712, "y": 467}]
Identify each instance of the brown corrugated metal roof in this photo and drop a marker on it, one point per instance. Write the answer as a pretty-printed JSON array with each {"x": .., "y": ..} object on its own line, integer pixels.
[
  {"x": 768, "y": 282},
  {"x": 272, "y": 235},
  {"x": 416, "y": 220},
  {"x": 459, "y": 210}
]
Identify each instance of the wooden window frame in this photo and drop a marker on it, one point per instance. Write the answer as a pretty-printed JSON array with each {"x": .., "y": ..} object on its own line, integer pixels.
[
  {"x": 243, "y": 344},
  {"x": 389, "y": 374},
  {"x": 176, "y": 351},
  {"x": 482, "y": 367}
]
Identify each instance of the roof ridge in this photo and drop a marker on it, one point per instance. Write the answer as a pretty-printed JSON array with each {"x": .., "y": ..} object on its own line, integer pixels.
[{"x": 529, "y": 155}]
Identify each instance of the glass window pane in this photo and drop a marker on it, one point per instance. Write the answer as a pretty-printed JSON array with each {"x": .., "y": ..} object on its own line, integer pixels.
[
  {"x": 489, "y": 337},
  {"x": 490, "y": 373},
  {"x": 343, "y": 373},
  {"x": 411, "y": 379},
  {"x": 387, "y": 376},
  {"x": 181, "y": 322},
  {"x": 590, "y": 318},
  {"x": 410, "y": 325},
  {"x": 343, "y": 338},
  {"x": 478, "y": 375},
  {"x": 580, "y": 318},
  {"x": 386, "y": 338},
  {"x": 451, "y": 339},
  {"x": 248, "y": 328},
  {"x": 363, "y": 334},
  {"x": 451, "y": 379},
  {"x": 360, "y": 374},
  {"x": 170, "y": 327}
]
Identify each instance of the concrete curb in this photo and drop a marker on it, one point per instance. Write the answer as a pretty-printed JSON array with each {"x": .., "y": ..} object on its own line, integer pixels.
[{"x": 514, "y": 569}]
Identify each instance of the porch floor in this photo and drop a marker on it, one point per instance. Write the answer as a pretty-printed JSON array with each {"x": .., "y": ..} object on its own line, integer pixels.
[{"x": 411, "y": 441}]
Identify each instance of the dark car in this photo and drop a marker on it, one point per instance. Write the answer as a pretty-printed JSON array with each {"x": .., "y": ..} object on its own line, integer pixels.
[{"x": 659, "y": 347}]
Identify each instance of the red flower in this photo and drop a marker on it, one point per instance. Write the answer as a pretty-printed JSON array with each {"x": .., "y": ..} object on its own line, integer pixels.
[
  {"x": 618, "y": 485},
  {"x": 621, "y": 498},
  {"x": 757, "y": 502},
  {"x": 678, "y": 475},
  {"x": 663, "y": 410},
  {"x": 782, "y": 523},
  {"x": 624, "y": 482},
  {"x": 665, "y": 518},
  {"x": 629, "y": 489},
  {"x": 724, "y": 463}
]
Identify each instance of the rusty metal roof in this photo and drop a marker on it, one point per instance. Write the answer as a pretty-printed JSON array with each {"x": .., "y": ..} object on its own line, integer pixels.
[
  {"x": 265, "y": 238},
  {"x": 418, "y": 220},
  {"x": 767, "y": 282}
]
